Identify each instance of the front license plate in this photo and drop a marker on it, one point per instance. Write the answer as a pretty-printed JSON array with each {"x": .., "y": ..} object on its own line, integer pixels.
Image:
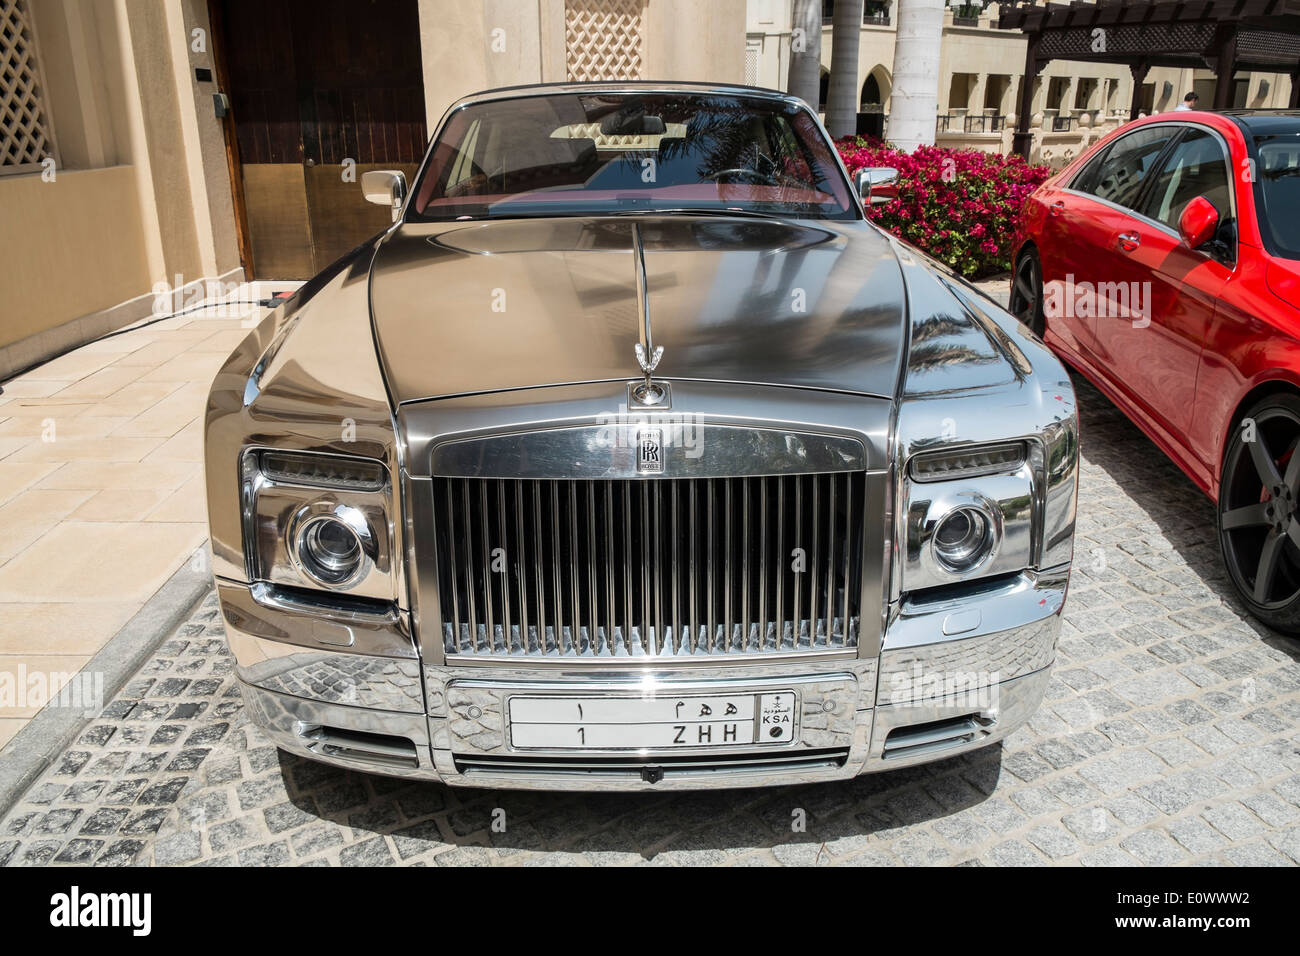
[{"x": 644, "y": 723}]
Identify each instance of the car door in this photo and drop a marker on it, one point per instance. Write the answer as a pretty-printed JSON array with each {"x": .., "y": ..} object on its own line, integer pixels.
[
  {"x": 1083, "y": 221},
  {"x": 1063, "y": 238},
  {"x": 1152, "y": 349}
]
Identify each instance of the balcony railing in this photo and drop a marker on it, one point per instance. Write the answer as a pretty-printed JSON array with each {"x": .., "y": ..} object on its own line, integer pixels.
[
  {"x": 873, "y": 14},
  {"x": 971, "y": 123}
]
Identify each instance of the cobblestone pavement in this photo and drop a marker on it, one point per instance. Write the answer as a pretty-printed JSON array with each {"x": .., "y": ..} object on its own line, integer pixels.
[{"x": 1169, "y": 736}]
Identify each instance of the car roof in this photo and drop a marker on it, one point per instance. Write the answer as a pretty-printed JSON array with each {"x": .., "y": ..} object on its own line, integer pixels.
[
  {"x": 1218, "y": 120},
  {"x": 1248, "y": 122},
  {"x": 623, "y": 86},
  {"x": 1266, "y": 122}
]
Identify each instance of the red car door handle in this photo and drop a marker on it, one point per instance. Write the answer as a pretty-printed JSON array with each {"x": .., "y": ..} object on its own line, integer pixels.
[
  {"x": 1128, "y": 241},
  {"x": 1057, "y": 207}
]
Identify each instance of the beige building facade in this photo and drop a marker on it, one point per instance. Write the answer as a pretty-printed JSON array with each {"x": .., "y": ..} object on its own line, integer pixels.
[
  {"x": 119, "y": 181},
  {"x": 981, "y": 69},
  {"x": 131, "y": 149},
  {"x": 122, "y": 164}
]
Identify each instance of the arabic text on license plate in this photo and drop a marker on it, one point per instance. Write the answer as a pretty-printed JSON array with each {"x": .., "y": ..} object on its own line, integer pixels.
[{"x": 660, "y": 723}]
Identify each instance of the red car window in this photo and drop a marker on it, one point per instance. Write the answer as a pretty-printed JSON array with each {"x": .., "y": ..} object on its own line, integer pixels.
[
  {"x": 1279, "y": 179},
  {"x": 1122, "y": 173},
  {"x": 1196, "y": 166}
]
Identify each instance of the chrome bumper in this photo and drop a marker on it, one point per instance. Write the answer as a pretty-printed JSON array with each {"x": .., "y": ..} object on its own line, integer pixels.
[{"x": 952, "y": 675}]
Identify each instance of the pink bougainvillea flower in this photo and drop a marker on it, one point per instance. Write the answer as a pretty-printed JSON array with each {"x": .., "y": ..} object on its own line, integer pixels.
[{"x": 942, "y": 191}]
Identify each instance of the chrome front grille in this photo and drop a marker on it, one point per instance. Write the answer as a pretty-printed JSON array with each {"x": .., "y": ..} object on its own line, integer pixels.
[{"x": 649, "y": 567}]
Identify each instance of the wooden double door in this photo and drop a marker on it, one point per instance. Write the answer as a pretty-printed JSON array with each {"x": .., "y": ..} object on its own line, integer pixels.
[{"x": 320, "y": 91}]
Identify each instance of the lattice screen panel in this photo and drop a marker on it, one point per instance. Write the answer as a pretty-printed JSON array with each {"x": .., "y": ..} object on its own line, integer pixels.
[
  {"x": 602, "y": 39},
  {"x": 25, "y": 137}
]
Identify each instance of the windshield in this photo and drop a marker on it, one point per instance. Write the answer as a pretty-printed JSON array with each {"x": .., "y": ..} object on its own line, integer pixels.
[
  {"x": 1279, "y": 180},
  {"x": 584, "y": 154}
]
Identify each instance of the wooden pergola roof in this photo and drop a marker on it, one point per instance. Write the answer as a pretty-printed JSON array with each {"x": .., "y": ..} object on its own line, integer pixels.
[
  {"x": 1177, "y": 33},
  {"x": 1220, "y": 35}
]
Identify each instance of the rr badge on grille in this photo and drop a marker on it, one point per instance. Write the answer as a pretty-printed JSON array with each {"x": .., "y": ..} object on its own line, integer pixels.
[{"x": 650, "y": 451}]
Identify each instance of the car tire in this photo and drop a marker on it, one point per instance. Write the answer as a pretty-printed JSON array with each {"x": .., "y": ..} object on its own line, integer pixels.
[
  {"x": 1258, "y": 512},
  {"x": 1026, "y": 302}
]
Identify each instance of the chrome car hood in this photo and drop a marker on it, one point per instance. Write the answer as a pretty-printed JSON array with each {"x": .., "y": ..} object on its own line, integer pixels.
[{"x": 466, "y": 307}]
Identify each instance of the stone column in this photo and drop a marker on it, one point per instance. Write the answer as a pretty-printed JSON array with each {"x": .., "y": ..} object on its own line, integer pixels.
[
  {"x": 975, "y": 97},
  {"x": 1068, "y": 97}
]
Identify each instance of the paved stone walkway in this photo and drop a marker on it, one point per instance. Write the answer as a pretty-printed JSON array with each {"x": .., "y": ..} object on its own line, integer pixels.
[
  {"x": 1169, "y": 736},
  {"x": 101, "y": 486}
]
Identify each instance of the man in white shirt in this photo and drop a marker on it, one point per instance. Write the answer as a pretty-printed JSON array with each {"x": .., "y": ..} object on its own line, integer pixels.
[{"x": 1188, "y": 103}]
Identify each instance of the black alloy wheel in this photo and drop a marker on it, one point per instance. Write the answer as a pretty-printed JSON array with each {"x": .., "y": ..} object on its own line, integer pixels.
[
  {"x": 1027, "y": 292},
  {"x": 1258, "y": 519}
]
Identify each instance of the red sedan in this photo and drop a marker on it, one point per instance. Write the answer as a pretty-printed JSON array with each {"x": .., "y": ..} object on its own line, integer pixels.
[{"x": 1164, "y": 265}]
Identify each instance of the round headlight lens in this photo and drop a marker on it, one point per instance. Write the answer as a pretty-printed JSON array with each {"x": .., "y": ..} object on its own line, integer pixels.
[
  {"x": 963, "y": 539},
  {"x": 329, "y": 550}
]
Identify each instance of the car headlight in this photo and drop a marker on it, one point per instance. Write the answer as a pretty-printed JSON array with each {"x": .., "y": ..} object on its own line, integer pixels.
[
  {"x": 331, "y": 544},
  {"x": 964, "y": 539},
  {"x": 319, "y": 521},
  {"x": 323, "y": 471},
  {"x": 967, "y": 463},
  {"x": 969, "y": 513}
]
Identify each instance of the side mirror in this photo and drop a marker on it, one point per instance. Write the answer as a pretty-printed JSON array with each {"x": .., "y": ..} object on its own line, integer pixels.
[
  {"x": 385, "y": 187},
  {"x": 877, "y": 185},
  {"x": 1198, "y": 223}
]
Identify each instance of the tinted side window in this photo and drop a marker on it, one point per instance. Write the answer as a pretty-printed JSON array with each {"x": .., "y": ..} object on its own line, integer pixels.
[
  {"x": 1279, "y": 193},
  {"x": 1087, "y": 176},
  {"x": 1197, "y": 166},
  {"x": 1124, "y": 169}
]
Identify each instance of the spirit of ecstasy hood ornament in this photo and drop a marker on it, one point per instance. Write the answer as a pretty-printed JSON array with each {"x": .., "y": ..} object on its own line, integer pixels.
[
  {"x": 648, "y": 393},
  {"x": 650, "y": 364}
]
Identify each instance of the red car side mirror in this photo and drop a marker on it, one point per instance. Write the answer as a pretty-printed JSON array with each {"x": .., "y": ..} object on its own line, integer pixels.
[{"x": 1198, "y": 222}]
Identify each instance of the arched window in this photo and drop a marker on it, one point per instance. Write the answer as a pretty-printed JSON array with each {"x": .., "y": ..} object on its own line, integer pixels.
[
  {"x": 875, "y": 90},
  {"x": 871, "y": 93}
]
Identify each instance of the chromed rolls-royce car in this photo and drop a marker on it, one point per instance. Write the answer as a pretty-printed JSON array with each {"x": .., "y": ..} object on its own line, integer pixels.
[{"x": 634, "y": 456}]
